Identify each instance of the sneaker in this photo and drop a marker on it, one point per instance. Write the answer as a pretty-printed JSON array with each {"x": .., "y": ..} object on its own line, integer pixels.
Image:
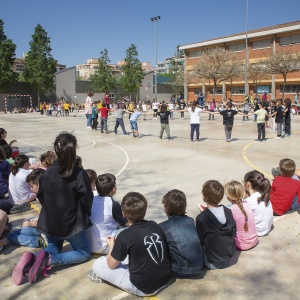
[
  {"x": 42, "y": 242},
  {"x": 23, "y": 267},
  {"x": 160, "y": 137},
  {"x": 277, "y": 138},
  {"x": 286, "y": 135},
  {"x": 89, "y": 127},
  {"x": 170, "y": 139},
  {"x": 20, "y": 208},
  {"x": 41, "y": 265},
  {"x": 276, "y": 172},
  {"x": 93, "y": 277}
]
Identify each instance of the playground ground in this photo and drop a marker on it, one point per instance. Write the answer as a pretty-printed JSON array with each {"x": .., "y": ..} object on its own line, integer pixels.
[{"x": 153, "y": 167}]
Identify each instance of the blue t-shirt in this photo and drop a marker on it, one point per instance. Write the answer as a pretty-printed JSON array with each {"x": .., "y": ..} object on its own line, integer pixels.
[{"x": 135, "y": 116}]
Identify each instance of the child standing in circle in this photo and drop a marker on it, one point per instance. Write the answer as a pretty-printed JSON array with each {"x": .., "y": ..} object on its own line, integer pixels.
[
  {"x": 279, "y": 119},
  {"x": 195, "y": 111},
  {"x": 246, "y": 234},
  {"x": 66, "y": 197},
  {"x": 164, "y": 115},
  {"x": 259, "y": 189}
]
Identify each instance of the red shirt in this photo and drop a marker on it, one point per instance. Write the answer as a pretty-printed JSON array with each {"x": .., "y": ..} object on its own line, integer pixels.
[
  {"x": 283, "y": 190},
  {"x": 104, "y": 112}
]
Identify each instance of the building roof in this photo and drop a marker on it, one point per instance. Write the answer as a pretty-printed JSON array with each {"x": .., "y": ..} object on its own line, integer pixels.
[{"x": 280, "y": 28}]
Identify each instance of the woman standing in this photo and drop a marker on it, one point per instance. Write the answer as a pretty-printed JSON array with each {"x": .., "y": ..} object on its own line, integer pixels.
[
  {"x": 88, "y": 108},
  {"x": 66, "y": 197}
]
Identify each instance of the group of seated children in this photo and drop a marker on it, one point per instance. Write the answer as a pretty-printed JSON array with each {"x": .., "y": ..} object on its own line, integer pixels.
[{"x": 178, "y": 246}]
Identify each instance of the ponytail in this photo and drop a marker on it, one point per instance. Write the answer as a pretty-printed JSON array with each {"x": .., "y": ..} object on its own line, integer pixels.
[
  {"x": 239, "y": 203},
  {"x": 259, "y": 184},
  {"x": 194, "y": 104},
  {"x": 20, "y": 161}
]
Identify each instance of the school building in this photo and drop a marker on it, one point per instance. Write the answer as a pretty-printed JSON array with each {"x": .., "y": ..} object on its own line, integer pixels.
[{"x": 261, "y": 43}]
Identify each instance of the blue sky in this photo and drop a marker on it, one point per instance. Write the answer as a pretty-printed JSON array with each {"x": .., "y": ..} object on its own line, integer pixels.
[{"x": 79, "y": 30}]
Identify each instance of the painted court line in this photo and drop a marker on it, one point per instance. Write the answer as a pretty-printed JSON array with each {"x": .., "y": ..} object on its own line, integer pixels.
[
  {"x": 33, "y": 145},
  {"x": 244, "y": 153}
]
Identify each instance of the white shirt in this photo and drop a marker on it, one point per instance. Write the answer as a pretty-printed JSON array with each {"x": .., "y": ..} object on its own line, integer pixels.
[
  {"x": 171, "y": 106},
  {"x": 263, "y": 215},
  {"x": 195, "y": 115},
  {"x": 155, "y": 105},
  {"x": 19, "y": 190}
]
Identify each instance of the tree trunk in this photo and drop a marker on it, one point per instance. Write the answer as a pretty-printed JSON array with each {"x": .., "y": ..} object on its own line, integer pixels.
[{"x": 284, "y": 83}]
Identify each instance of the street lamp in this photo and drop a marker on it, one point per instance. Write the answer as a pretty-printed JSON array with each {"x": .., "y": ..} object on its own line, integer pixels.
[
  {"x": 155, "y": 19},
  {"x": 247, "y": 55}
]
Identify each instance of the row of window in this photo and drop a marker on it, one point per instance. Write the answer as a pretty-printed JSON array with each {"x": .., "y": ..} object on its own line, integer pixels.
[
  {"x": 236, "y": 90},
  {"x": 261, "y": 44}
]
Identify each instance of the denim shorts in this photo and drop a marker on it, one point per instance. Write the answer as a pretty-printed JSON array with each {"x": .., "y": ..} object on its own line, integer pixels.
[{"x": 133, "y": 125}]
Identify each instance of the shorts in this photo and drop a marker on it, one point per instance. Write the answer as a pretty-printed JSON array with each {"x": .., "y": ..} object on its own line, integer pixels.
[
  {"x": 266, "y": 118},
  {"x": 155, "y": 110},
  {"x": 133, "y": 125}
]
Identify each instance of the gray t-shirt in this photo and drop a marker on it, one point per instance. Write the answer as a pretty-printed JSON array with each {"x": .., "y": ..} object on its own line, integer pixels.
[{"x": 120, "y": 113}]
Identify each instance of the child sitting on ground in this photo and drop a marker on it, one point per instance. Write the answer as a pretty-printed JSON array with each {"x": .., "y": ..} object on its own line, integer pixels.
[
  {"x": 106, "y": 214},
  {"x": 149, "y": 269},
  {"x": 259, "y": 189},
  {"x": 216, "y": 227},
  {"x": 285, "y": 191},
  {"x": 28, "y": 235},
  {"x": 181, "y": 235},
  {"x": 246, "y": 236},
  {"x": 47, "y": 159}
]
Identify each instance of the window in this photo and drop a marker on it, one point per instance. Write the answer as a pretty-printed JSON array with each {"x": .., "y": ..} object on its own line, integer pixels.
[
  {"x": 237, "y": 90},
  {"x": 197, "y": 91},
  {"x": 193, "y": 54},
  {"x": 218, "y": 91},
  {"x": 260, "y": 89},
  {"x": 237, "y": 47},
  {"x": 290, "y": 88},
  {"x": 261, "y": 44},
  {"x": 290, "y": 39}
]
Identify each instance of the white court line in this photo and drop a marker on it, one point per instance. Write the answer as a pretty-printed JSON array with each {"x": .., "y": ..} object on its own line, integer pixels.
[
  {"x": 120, "y": 296},
  {"x": 94, "y": 143},
  {"x": 33, "y": 145},
  {"x": 122, "y": 149}
]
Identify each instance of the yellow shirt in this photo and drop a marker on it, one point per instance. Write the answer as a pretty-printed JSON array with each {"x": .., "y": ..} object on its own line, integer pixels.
[{"x": 66, "y": 106}]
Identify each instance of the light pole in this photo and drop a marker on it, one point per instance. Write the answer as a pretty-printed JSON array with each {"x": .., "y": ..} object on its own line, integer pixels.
[
  {"x": 246, "y": 58},
  {"x": 155, "y": 19}
]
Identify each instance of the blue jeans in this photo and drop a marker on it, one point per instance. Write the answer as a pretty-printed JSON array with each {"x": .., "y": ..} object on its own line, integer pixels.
[
  {"x": 89, "y": 120},
  {"x": 133, "y": 125},
  {"x": 195, "y": 127},
  {"x": 26, "y": 236},
  {"x": 103, "y": 124},
  {"x": 80, "y": 253}
]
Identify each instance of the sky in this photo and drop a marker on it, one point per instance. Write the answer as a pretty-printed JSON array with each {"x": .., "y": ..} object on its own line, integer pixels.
[{"x": 79, "y": 30}]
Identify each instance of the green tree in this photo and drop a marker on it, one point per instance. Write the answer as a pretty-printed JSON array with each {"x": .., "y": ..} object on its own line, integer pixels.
[
  {"x": 132, "y": 71},
  {"x": 7, "y": 58},
  {"x": 104, "y": 79},
  {"x": 40, "y": 66},
  {"x": 176, "y": 72}
]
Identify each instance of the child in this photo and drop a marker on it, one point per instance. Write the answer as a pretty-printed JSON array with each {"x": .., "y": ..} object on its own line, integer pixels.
[
  {"x": 66, "y": 197},
  {"x": 145, "y": 110},
  {"x": 228, "y": 117},
  {"x": 8, "y": 152},
  {"x": 28, "y": 235},
  {"x": 181, "y": 235},
  {"x": 119, "y": 119},
  {"x": 285, "y": 191},
  {"x": 133, "y": 122},
  {"x": 94, "y": 116},
  {"x": 246, "y": 110},
  {"x": 149, "y": 269},
  {"x": 106, "y": 214},
  {"x": 279, "y": 118},
  {"x": 287, "y": 117},
  {"x": 103, "y": 116},
  {"x": 259, "y": 189},
  {"x": 212, "y": 108},
  {"x": 164, "y": 115},
  {"x": 246, "y": 236},
  {"x": 216, "y": 227},
  {"x": 47, "y": 159},
  {"x": 261, "y": 120},
  {"x": 182, "y": 107}
]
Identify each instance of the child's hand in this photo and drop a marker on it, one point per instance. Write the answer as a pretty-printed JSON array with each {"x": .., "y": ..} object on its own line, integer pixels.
[{"x": 110, "y": 240}]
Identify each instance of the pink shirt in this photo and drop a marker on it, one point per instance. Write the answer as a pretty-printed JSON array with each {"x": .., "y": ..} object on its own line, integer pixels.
[{"x": 244, "y": 240}]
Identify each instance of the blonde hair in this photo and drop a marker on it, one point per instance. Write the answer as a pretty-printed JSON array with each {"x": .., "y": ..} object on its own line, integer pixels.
[{"x": 235, "y": 191}]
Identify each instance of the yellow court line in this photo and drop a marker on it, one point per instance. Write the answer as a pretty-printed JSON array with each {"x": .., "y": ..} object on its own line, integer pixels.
[
  {"x": 244, "y": 153},
  {"x": 151, "y": 298},
  {"x": 35, "y": 207}
]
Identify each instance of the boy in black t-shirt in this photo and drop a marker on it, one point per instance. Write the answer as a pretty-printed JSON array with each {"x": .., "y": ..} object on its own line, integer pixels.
[
  {"x": 149, "y": 266},
  {"x": 279, "y": 119},
  {"x": 228, "y": 116},
  {"x": 164, "y": 115}
]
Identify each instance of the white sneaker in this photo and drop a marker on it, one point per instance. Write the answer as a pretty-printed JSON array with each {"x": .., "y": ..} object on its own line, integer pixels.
[
  {"x": 89, "y": 127},
  {"x": 277, "y": 138}
]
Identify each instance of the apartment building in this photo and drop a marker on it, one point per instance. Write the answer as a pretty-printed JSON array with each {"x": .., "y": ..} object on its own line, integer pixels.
[{"x": 262, "y": 43}]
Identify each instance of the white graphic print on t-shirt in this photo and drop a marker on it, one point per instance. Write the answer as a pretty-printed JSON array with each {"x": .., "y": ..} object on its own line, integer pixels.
[{"x": 154, "y": 247}]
